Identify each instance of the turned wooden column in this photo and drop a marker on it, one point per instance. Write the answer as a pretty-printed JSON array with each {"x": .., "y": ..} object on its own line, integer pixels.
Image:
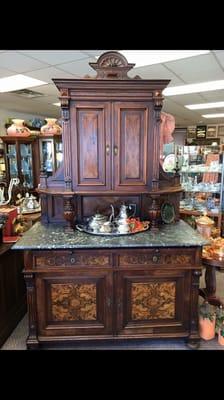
[
  {"x": 69, "y": 203},
  {"x": 66, "y": 137},
  {"x": 154, "y": 212}
]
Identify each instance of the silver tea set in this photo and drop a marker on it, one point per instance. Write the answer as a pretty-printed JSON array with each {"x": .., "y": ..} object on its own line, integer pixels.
[{"x": 100, "y": 224}]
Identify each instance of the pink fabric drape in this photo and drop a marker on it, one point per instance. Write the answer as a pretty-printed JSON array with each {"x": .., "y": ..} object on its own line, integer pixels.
[{"x": 167, "y": 127}]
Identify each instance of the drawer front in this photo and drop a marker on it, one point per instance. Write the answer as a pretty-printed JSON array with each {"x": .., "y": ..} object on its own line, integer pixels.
[
  {"x": 164, "y": 257},
  {"x": 70, "y": 259}
]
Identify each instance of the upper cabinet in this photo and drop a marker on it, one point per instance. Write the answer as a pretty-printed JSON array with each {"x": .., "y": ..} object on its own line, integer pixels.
[
  {"x": 20, "y": 154},
  {"x": 110, "y": 141}
]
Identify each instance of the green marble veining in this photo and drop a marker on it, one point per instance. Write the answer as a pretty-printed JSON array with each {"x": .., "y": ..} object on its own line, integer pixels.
[{"x": 52, "y": 236}]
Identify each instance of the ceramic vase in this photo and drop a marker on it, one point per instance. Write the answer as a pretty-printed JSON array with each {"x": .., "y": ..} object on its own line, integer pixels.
[
  {"x": 51, "y": 128},
  {"x": 207, "y": 328},
  {"x": 18, "y": 128},
  {"x": 220, "y": 338}
]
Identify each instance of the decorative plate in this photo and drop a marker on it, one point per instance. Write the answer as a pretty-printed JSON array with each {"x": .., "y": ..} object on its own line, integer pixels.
[
  {"x": 167, "y": 213},
  {"x": 169, "y": 163}
]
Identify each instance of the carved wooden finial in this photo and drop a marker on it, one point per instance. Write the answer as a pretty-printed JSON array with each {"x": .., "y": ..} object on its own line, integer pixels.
[{"x": 112, "y": 65}]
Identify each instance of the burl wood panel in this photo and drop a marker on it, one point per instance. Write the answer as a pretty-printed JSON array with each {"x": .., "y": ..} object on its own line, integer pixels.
[
  {"x": 153, "y": 300},
  {"x": 131, "y": 141},
  {"x": 73, "y": 302},
  {"x": 155, "y": 258},
  {"x": 69, "y": 260},
  {"x": 90, "y": 139}
]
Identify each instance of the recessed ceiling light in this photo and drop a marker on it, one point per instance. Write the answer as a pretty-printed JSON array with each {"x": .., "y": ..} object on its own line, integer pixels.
[
  {"x": 202, "y": 106},
  {"x": 194, "y": 88},
  {"x": 19, "y": 81},
  {"x": 220, "y": 115},
  {"x": 150, "y": 57},
  {"x": 56, "y": 104}
]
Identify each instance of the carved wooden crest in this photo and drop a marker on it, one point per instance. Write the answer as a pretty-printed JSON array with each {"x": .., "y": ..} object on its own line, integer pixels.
[{"x": 112, "y": 65}]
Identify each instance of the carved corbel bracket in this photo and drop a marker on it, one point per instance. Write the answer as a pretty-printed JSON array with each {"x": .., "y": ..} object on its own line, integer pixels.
[
  {"x": 64, "y": 99},
  {"x": 158, "y": 103}
]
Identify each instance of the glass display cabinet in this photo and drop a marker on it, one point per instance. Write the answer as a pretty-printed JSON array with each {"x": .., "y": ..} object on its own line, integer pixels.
[
  {"x": 201, "y": 171},
  {"x": 2, "y": 165},
  {"x": 20, "y": 154},
  {"x": 51, "y": 155}
]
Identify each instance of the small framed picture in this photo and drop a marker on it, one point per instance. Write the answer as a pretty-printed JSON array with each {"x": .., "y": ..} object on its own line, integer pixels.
[
  {"x": 211, "y": 131},
  {"x": 220, "y": 131},
  {"x": 191, "y": 132},
  {"x": 201, "y": 131}
]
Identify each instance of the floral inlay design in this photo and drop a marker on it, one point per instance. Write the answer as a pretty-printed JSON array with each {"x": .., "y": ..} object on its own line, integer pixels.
[
  {"x": 73, "y": 302},
  {"x": 153, "y": 300},
  {"x": 63, "y": 261},
  {"x": 180, "y": 259}
]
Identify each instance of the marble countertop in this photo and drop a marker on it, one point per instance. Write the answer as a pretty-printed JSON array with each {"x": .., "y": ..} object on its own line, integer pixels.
[{"x": 52, "y": 236}]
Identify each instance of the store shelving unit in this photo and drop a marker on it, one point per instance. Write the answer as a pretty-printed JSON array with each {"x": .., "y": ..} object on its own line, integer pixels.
[{"x": 202, "y": 172}]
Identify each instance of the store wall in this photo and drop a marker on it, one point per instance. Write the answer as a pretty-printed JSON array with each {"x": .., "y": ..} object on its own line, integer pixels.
[{"x": 5, "y": 114}]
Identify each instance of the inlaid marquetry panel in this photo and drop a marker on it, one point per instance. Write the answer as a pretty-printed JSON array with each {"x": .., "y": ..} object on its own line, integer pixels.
[
  {"x": 153, "y": 300},
  {"x": 155, "y": 258},
  {"x": 73, "y": 302},
  {"x": 69, "y": 260},
  {"x": 140, "y": 259},
  {"x": 178, "y": 259}
]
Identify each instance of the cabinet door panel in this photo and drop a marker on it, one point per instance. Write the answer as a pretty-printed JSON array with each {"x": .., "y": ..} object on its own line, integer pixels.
[
  {"x": 90, "y": 136},
  {"x": 130, "y": 146},
  {"x": 76, "y": 304},
  {"x": 150, "y": 303}
]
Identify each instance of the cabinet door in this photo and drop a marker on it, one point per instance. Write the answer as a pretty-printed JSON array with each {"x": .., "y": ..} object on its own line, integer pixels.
[
  {"x": 153, "y": 302},
  {"x": 74, "y": 303},
  {"x": 90, "y": 139},
  {"x": 131, "y": 157}
]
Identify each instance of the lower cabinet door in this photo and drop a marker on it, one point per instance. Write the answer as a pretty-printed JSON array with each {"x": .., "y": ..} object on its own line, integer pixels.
[
  {"x": 77, "y": 303},
  {"x": 153, "y": 303}
]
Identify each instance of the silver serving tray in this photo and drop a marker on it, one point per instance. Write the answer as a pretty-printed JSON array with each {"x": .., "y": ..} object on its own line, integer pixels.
[{"x": 84, "y": 228}]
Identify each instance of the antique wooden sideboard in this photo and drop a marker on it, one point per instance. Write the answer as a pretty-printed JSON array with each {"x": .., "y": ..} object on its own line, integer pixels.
[{"x": 82, "y": 287}]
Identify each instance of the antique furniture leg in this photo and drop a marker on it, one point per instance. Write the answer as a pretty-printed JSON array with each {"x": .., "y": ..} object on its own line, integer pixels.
[
  {"x": 32, "y": 341},
  {"x": 209, "y": 292},
  {"x": 193, "y": 340}
]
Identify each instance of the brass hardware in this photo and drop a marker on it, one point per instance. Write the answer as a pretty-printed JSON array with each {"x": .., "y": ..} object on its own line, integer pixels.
[
  {"x": 115, "y": 150},
  {"x": 155, "y": 259},
  {"x": 107, "y": 149},
  {"x": 72, "y": 260}
]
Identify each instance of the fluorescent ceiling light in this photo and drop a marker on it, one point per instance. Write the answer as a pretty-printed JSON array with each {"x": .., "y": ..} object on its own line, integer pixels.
[
  {"x": 150, "y": 57},
  {"x": 57, "y": 104},
  {"x": 220, "y": 115},
  {"x": 202, "y": 106},
  {"x": 16, "y": 82},
  {"x": 194, "y": 88}
]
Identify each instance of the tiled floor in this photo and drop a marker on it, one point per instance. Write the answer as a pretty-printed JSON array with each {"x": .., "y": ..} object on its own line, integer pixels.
[{"x": 17, "y": 341}]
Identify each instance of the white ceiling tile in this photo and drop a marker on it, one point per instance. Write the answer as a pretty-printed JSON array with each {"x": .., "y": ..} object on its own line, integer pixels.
[
  {"x": 184, "y": 99},
  {"x": 5, "y": 72},
  {"x": 217, "y": 95},
  {"x": 80, "y": 68},
  {"x": 220, "y": 55},
  {"x": 19, "y": 63},
  {"x": 47, "y": 74},
  {"x": 49, "y": 90},
  {"x": 157, "y": 71},
  {"x": 54, "y": 57},
  {"x": 197, "y": 69}
]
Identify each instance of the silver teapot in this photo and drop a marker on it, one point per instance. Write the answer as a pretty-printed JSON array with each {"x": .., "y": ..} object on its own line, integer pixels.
[
  {"x": 96, "y": 222},
  {"x": 122, "y": 220}
]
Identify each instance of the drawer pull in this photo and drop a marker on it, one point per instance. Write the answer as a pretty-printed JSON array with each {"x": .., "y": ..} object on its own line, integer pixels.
[
  {"x": 72, "y": 260},
  {"x": 155, "y": 259}
]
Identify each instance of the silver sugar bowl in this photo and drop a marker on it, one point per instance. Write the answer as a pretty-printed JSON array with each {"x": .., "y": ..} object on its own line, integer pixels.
[{"x": 96, "y": 222}]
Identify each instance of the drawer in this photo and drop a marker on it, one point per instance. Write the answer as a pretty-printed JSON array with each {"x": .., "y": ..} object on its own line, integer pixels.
[
  {"x": 164, "y": 257},
  {"x": 54, "y": 259}
]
